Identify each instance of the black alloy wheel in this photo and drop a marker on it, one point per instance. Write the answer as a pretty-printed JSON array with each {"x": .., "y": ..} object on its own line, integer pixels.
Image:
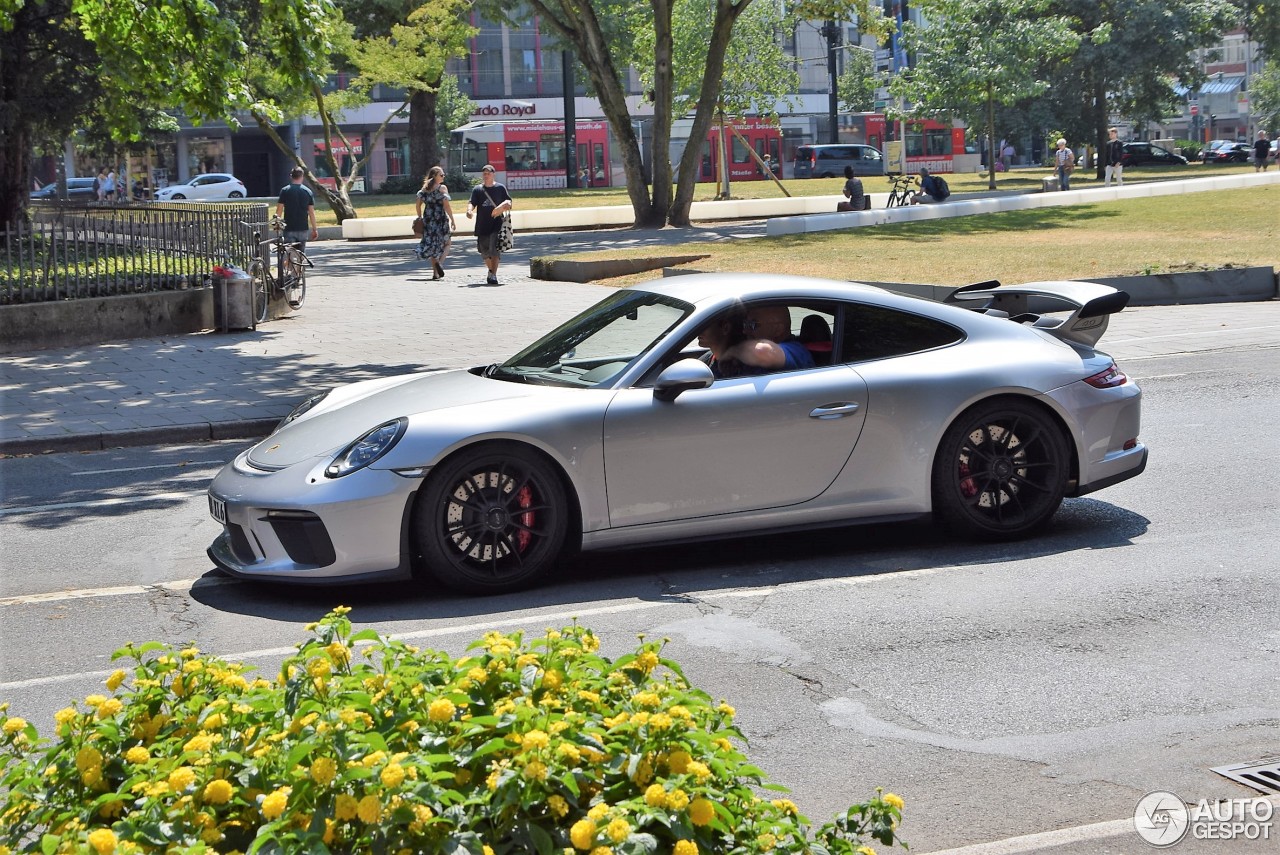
[
  {"x": 1001, "y": 471},
  {"x": 491, "y": 520}
]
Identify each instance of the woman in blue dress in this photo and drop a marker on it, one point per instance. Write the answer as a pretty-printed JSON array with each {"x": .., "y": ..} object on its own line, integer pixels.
[{"x": 437, "y": 220}]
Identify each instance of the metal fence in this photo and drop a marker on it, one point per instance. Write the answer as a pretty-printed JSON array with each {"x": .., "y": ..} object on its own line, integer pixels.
[{"x": 71, "y": 251}]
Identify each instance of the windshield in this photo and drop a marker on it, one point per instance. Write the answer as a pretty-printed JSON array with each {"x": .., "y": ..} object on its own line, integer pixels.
[{"x": 595, "y": 347}]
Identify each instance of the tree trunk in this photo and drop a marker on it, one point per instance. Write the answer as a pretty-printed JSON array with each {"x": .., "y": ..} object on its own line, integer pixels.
[
  {"x": 727, "y": 13},
  {"x": 663, "y": 84},
  {"x": 1100, "y": 122},
  {"x": 337, "y": 197},
  {"x": 424, "y": 151}
]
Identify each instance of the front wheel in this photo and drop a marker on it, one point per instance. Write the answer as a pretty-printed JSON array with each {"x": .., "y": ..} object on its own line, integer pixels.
[
  {"x": 295, "y": 289},
  {"x": 261, "y": 293},
  {"x": 1001, "y": 471},
  {"x": 177, "y": 196},
  {"x": 491, "y": 519}
]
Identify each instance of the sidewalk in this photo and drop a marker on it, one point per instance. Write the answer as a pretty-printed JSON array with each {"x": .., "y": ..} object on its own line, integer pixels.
[{"x": 372, "y": 311}]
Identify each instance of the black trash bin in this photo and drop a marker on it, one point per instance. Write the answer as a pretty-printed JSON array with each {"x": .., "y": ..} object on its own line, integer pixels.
[{"x": 233, "y": 307}]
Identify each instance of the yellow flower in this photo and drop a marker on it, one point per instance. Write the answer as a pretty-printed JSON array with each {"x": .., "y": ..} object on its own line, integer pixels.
[
  {"x": 893, "y": 800},
  {"x": 598, "y": 811},
  {"x": 324, "y": 770},
  {"x": 678, "y": 762},
  {"x": 65, "y": 715},
  {"x": 536, "y": 771},
  {"x": 87, "y": 757},
  {"x": 369, "y": 809},
  {"x": 558, "y": 805},
  {"x": 477, "y": 675},
  {"x": 441, "y": 710},
  {"x": 273, "y": 805},
  {"x": 655, "y": 796},
  {"x": 15, "y": 724},
  {"x": 116, "y": 678},
  {"x": 699, "y": 770},
  {"x": 660, "y": 721},
  {"x": 103, "y": 841},
  {"x": 94, "y": 700},
  {"x": 319, "y": 668},
  {"x": 786, "y": 806},
  {"x": 768, "y": 841},
  {"x": 536, "y": 739},
  {"x": 648, "y": 699},
  {"x": 865, "y": 850},
  {"x": 487, "y": 849},
  {"x": 583, "y": 833},
  {"x": 552, "y": 680},
  {"x": 685, "y": 847},
  {"x": 569, "y": 752},
  {"x": 618, "y": 830},
  {"x": 213, "y": 722},
  {"x": 201, "y": 742},
  {"x": 701, "y": 811},
  {"x": 677, "y": 799},
  {"x": 218, "y": 791},
  {"x": 344, "y": 808},
  {"x": 181, "y": 778},
  {"x": 393, "y": 775},
  {"x": 137, "y": 755},
  {"x": 647, "y": 661},
  {"x": 339, "y": 653},
  {"x": 109, "y": 707}
]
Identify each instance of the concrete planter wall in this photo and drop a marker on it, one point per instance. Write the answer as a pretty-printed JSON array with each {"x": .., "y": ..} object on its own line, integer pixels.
[{"x": 70, "y": 323}]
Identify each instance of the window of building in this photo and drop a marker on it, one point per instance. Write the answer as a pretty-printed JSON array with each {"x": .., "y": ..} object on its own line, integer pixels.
[
  {"x": 206, "y": 154},
  {"x": 397, "y": 152},
  {"x": 487, "y": 60}
]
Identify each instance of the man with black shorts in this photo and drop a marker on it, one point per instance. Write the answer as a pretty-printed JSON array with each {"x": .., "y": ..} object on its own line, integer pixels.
[
  {"x": 489, "y": 201},
  {"x": 298, "y": 208}
]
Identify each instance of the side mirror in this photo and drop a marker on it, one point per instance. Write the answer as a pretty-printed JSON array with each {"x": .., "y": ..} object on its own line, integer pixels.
[{"x": 681, "y": 377}]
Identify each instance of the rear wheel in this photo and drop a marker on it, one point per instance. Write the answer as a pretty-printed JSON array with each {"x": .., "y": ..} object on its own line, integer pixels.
[
  {"x": 1001, "y": 471},
  {"x": 490, "y": 520},
  {"x": 235, "y": 194},
  {"x": 295, "y": 288},
  {"x": 261, "y": 292}
]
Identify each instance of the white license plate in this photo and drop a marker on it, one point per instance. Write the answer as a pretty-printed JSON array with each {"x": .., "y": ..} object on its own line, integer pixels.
[{"x": 218, "y": 509}]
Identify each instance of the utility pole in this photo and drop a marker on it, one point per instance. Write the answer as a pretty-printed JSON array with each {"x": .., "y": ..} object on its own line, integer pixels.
[
  {"x": 832, "y": 32},
  {"x": 570, "y": 122}
]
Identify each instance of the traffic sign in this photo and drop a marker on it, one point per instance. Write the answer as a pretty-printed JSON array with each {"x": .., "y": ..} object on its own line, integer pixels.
[{"x": 1195, "y": 109}]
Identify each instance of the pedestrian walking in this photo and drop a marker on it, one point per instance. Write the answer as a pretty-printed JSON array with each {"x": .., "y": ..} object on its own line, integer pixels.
[
  {"x": 1064, "y": 160},
  {"x": 1261, "y": 151},
  {"x": 488, "y": 203},
  {"x": 437, "y": 220},
  {"x": 99, "y": 182},
  {"x": 1115, "y": 158},
  {"x": 298, "y": 208},
  {"x": 108, "y": 192}
]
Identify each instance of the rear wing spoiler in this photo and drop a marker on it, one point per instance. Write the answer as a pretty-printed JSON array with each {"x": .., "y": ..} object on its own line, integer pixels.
[{"x": 1072, "y": 311}]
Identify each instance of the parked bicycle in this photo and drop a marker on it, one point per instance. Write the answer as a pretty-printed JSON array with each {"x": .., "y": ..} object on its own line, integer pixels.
[
  {"x": 902, "y": 190},
  {"x": 289, "y": 279}
]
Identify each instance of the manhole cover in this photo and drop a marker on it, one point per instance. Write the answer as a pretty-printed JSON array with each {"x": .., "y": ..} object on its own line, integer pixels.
[{"x": 1263, "y": 776}]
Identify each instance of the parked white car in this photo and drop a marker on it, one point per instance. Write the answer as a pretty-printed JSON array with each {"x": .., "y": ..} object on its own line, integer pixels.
[{"x": 214, "y": 185}]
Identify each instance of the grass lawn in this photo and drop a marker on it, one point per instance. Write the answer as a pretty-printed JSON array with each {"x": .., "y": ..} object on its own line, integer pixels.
[{"x": 1201, "y": 231}]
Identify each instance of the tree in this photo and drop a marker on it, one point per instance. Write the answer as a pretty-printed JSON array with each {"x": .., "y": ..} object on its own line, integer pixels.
[
  {"x": 1130, "y": 54},
  {"x": 975, "y": 54},
  {"x": 1264, "y": 97},
  {"x": 856, "y": 86}
]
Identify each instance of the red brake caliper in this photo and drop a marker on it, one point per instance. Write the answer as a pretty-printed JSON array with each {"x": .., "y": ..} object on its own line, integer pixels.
[
  {"x": 524, "y": 499},
  {"x": 967, "y": 488}
]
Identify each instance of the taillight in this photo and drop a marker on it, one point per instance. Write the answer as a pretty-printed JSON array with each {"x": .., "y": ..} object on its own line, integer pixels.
[{"x": 1108, "y": 378}]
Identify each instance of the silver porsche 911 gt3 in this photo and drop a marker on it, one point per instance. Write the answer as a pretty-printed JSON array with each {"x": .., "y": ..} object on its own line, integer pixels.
[{"x": 613, "y": 431}]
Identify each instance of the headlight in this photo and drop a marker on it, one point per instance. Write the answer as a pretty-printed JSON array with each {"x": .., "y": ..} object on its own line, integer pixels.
[
  {"x": 300, "y": 409},
  {"x": 367, "y": 448}
]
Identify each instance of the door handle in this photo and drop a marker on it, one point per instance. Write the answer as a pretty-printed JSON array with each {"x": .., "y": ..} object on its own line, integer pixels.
[{"x": 833, "y": 411}]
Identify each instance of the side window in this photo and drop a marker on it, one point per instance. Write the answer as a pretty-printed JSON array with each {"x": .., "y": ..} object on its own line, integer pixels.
[{"x": 873, "y": 332}]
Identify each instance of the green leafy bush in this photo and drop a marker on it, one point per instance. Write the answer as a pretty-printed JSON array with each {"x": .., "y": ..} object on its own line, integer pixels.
[
  {"x": 368, "y": 745},
  {"x": 399, "y": 185}
]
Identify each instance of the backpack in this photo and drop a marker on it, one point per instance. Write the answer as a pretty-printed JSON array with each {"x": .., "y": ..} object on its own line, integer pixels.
[{"x": 943, "y": 190}]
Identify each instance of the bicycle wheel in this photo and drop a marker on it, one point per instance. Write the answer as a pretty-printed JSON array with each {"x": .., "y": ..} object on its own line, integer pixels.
[
  {"x": 261, "y": 301},
  {"x": 295, "y": 283}
]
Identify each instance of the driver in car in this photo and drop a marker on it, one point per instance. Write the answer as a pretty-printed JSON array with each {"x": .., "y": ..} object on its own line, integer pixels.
[{"x": 761, "y": 343}]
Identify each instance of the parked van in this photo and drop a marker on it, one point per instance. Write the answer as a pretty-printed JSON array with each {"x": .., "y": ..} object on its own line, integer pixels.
[{"x": 829, "y": 161}]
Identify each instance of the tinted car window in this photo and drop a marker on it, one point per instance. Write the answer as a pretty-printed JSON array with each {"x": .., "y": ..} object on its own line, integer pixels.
[{"x": 872, "y": 332}]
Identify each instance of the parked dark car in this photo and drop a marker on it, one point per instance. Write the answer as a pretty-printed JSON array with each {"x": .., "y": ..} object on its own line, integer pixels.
[
  {"x": 1226, "y": 151},
  {"x": 80, "y": 189},
  {"x": 1145, "y": 153},
  {"x": 829, "y": 161}
]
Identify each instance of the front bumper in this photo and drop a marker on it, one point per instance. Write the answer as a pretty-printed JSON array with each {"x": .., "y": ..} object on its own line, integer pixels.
[{"x": 296, "y": 525}]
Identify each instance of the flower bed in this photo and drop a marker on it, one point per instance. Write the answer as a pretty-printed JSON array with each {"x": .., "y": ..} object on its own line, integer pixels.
[{"x": 364, "y": 744}]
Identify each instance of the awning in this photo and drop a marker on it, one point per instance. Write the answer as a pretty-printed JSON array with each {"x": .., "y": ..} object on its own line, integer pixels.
[{"x": 1214, "y": 87}]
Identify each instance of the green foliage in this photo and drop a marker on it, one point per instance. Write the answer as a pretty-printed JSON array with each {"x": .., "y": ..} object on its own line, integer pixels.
[
  {"x": 453, "y": 109},
  {"x": 399, "y": 185},
  {"x": 364, "y": 744},
  {"x": 1264, "y": 96},
  {"x": 856, "y": 86}
]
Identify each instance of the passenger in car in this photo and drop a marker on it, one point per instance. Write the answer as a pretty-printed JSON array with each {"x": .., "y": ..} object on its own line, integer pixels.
[
  {"x": 769, "y": 345},
  {"x": 717, "y": 337}
]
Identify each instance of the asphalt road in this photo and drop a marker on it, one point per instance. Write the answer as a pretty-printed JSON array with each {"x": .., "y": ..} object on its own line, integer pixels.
[{"x": 1001, "y": 690}]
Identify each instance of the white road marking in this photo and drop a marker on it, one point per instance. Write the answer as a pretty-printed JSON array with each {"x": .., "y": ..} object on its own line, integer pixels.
[
  {"x": 1227, "y": 330},
  {"x": 545, "y": 619},
  {"x": 100, "y": 503},
  {"x": 181, "y": 586},
  {"x": 193, "y": 465}
]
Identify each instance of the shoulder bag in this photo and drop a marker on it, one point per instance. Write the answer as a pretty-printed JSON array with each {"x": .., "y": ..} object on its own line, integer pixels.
[{"x": 506, "y": 235}]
